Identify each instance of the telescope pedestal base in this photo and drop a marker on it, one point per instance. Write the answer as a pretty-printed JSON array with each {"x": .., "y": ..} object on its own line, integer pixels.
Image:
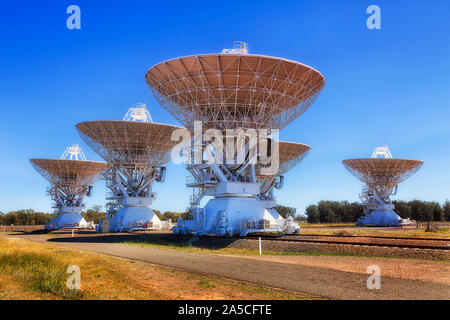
[
  {"x": 383, "y": 218},
  {"x": 129, "y": 219},
  {"x": 231, "y": 216},
  {"x": 67, "y": 221}
]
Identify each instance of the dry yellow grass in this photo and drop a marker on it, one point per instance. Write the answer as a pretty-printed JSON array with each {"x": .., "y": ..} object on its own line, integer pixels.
[{"x": 30, "y": 270}]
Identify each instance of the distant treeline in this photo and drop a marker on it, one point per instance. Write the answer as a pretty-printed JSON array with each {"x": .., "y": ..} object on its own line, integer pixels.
[
  {"x": 24, "y": 217},
  {"x": 172, "y": 215},
  {"x": 323, "y": 212},
  {"x": 31, "y": 217},
  {"x": 343, "y": 211}
]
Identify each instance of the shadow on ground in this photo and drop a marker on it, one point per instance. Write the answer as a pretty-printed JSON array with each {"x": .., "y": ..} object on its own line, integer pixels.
[{"x": 163, "y": 239}]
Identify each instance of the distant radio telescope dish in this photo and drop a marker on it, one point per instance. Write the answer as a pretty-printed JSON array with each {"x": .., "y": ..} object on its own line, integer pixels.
[
  {"x": 69, "y": 173},
  {"x": 235, "y": 89},
  {"x": 70, "y": 182},
  {"x": 381, "y": 176},
  {"x": 136, "y": 148},
  {"x": 129, "y": 142},
  {"x": 382, "y": 172}
]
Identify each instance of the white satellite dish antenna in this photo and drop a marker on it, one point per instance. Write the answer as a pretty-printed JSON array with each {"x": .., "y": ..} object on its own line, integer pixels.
[
  {"x": 235, "y": 90},
  {"x": 139, "y": 114},
  {"x": 70, "y": 181},
  {"x": 381, "y": 176},
  {"x": 137, "y": 148}
]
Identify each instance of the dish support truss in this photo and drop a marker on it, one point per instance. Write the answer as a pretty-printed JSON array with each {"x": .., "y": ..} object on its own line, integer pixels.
[
  {"x": 130, "y": 195},
  {"x": 68, "y": 201},
  {"x": 238, "y": 205}
]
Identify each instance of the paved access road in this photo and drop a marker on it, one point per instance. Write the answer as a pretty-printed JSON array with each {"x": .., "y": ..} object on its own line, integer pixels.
[{"x": 314, "y": 281}]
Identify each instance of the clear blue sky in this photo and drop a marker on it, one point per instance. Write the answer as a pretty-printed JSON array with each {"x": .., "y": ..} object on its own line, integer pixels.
[{"x": 388, "y": 86}]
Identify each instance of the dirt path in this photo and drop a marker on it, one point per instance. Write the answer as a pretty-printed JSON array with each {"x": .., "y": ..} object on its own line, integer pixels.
[{"x": 313, "y": 280}]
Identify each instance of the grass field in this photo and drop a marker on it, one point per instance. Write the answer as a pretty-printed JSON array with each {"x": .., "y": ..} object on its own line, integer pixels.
[{"x": 30, "y": 270}]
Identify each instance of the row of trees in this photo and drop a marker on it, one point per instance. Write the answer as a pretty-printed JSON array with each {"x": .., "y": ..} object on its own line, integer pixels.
[
  {"x": 24, "y": 217},
  {"x": 31, "y": 217},
  {"x": 172, "y": 215},
  {"x": 423, "y": 210},
  {"x": 343, "y": 211},
  {"x": 95, "y": 214},
  {"x": 323, "y": 212},
  {"x": 333, "y": 211}
]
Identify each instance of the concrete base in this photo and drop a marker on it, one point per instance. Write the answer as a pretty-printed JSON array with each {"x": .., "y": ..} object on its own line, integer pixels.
[
  {"x": 383, "y": 219},
  {"x": 67, "y": 221},
  {"x": 230, "y": 216},
  {"x": 129, "y": 219}
]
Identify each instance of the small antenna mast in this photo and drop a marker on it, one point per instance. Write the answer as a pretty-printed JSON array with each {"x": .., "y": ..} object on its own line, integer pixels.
[
  {"x": 382, "y": 151},
  {"x": 240, "y": 47},
  {"x": 139, "y": 114}
]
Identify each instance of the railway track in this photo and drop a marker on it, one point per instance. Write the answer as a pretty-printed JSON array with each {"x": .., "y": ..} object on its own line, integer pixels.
[
  {"x": 445, "y": 245},
  {"x": 373, "y": 237}
]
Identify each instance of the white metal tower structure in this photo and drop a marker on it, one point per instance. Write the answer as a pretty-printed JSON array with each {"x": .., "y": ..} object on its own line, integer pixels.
[
  {"x": 71, "y": 181},
  {"x": 382, "y": 151},
  {"x": 240, "y": 47},
  {"x": 228, "y": 100},
  {"x": 73, "y": 152},
  {"x": 136, "y": 149},
  {"x": 140, "y": 113},
  {"x": 381, "y": 176}
]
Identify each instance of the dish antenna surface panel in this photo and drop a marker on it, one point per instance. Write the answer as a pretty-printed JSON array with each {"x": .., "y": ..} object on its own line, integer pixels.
[
  {"x": 234, "y": 90},
  {"x": 73, "y": 173},
  {"x": 129, "y": 142}
]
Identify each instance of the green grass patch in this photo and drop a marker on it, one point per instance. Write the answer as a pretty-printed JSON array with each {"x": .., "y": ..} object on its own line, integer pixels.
[
  {"x": 39, "y": 273},
  {"x": 205, "y": 283}
]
